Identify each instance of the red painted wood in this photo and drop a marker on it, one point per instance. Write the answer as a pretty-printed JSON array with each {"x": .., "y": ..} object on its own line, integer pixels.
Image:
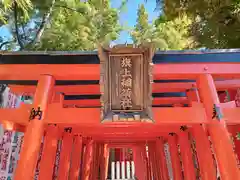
[
  {"x": 234, "y": 130},
  {"x": 155, "y": 168},
  {"x": 207, "y": 170},
  {"x": 68, "y": 90},
  {"x": 65, "y": 156},
  {"x": 88, "y": 159},
  {"x": 49, "y": 153},
  {"x": 186, "y": 154},
  {"x": 175, "y": 160},
  {"x": 76, "y": 159},
  {"x": 34, "y": 131},
  {"x": 87, "y": 120},
  {"x": 138, "y": 159},
  {"x": 106, "y": 160},
  {"x": 60, "y": 72},
  {"x": 156, "y": 87},
  {"x": 162, "y": 159},
  {"x": 193, "y": 70},
  {"x": 217, "y": 129}
]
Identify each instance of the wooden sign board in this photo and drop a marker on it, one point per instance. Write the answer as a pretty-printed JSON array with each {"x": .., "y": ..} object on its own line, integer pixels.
[{"x": 126, "y": 84}]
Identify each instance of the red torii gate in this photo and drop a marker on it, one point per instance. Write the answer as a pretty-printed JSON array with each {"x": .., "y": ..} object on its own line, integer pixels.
[{"x": 86, "y": 140}]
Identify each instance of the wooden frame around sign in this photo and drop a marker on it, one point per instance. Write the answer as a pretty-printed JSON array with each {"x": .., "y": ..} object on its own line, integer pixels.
[{"x": 146, "y": 53}]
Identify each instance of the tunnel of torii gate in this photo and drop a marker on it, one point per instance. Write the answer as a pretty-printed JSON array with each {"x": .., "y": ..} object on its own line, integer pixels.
[{"x": 121, "y": 104}]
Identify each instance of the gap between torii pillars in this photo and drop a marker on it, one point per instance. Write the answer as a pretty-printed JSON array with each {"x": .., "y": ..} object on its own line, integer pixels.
[
  {"x": 217, "y": 129},
  {"x": 34, "y": 131}
]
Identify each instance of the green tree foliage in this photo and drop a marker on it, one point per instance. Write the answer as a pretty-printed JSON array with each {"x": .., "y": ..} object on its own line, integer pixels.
[
  {"x": 143, "y": 31},
  {"x": 164, "y": 34},
  {"x": 63, "y": 25},
  {"x": 9, "y": 10},
  {"x": 6, "y": 8},
  {"x": 175, "y": 33},
  {"x": 238, "y": 136},
  {"x": 216, "y": 22},
  {"x": 81, "y": 26}
]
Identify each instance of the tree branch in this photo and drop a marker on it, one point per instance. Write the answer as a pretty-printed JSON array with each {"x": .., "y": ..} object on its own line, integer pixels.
[
  {"x": 4, "y": 43},
  {"x": 42, "y": 26},
  {"x": 16, "y": 25},
  {"x": 24, "y": 32},
  {"x": 66, "y": 7}
]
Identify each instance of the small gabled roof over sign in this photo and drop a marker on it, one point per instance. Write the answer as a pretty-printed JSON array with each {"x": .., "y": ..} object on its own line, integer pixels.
[{"x": 127, "y": 49}]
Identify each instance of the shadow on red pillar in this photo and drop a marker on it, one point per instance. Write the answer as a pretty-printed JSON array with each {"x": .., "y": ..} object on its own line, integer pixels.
[
  {"x": 96, "y": 161},
  {"x": 175, "y": 160},
  {"x": 65, "y": 156},
  {"x": 117, "y": 154},
  {"x": 162, "y": 162},
  {"x": 139, "y": 161},
  {"x": 49, "y": 153},
  {"x": 149, "y": 175},
  {"x": 88, "y": 158},
  {"x": 76, "y": 158},
  {"x": 234, "y": 130},
  {"x": 187, "y": 157},
  {"x": 104, "y": 160},
  {"x": 207, "y": 169},
  {"x": 154, "y": 167}
]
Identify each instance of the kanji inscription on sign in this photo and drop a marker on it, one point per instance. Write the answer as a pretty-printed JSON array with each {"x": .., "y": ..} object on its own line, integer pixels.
[{"x": 126, "y": 82}]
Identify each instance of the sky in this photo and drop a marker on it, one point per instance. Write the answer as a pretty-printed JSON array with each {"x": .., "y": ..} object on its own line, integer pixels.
[
  {"x": 130, "y": 15},
  {"x": 127, "y": 18}
]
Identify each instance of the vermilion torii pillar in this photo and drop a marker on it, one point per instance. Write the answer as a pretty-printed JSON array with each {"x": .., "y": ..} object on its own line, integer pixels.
[
  {"x": 138, "y": 158},
  {"x": 35, "y": 129},
  {"x": 154, "y": 168},
  {"x": 186, "y": 154},
  {"x": 88, "y": 159},
  {"x": 96, "y": 161},
  {"x": 76, "y": 158},
  {"x": 65, "y": 156},
  {"x": 203, "y": 149},
  {"x": 49, "y": 153},
  {"x": 207, "y": 170},
  {"x": 217, "y": 129},
  {"x": 104, "y": 161},
  {"x": 162, "y": 162},
  {"x": 175, "y": 160}
]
